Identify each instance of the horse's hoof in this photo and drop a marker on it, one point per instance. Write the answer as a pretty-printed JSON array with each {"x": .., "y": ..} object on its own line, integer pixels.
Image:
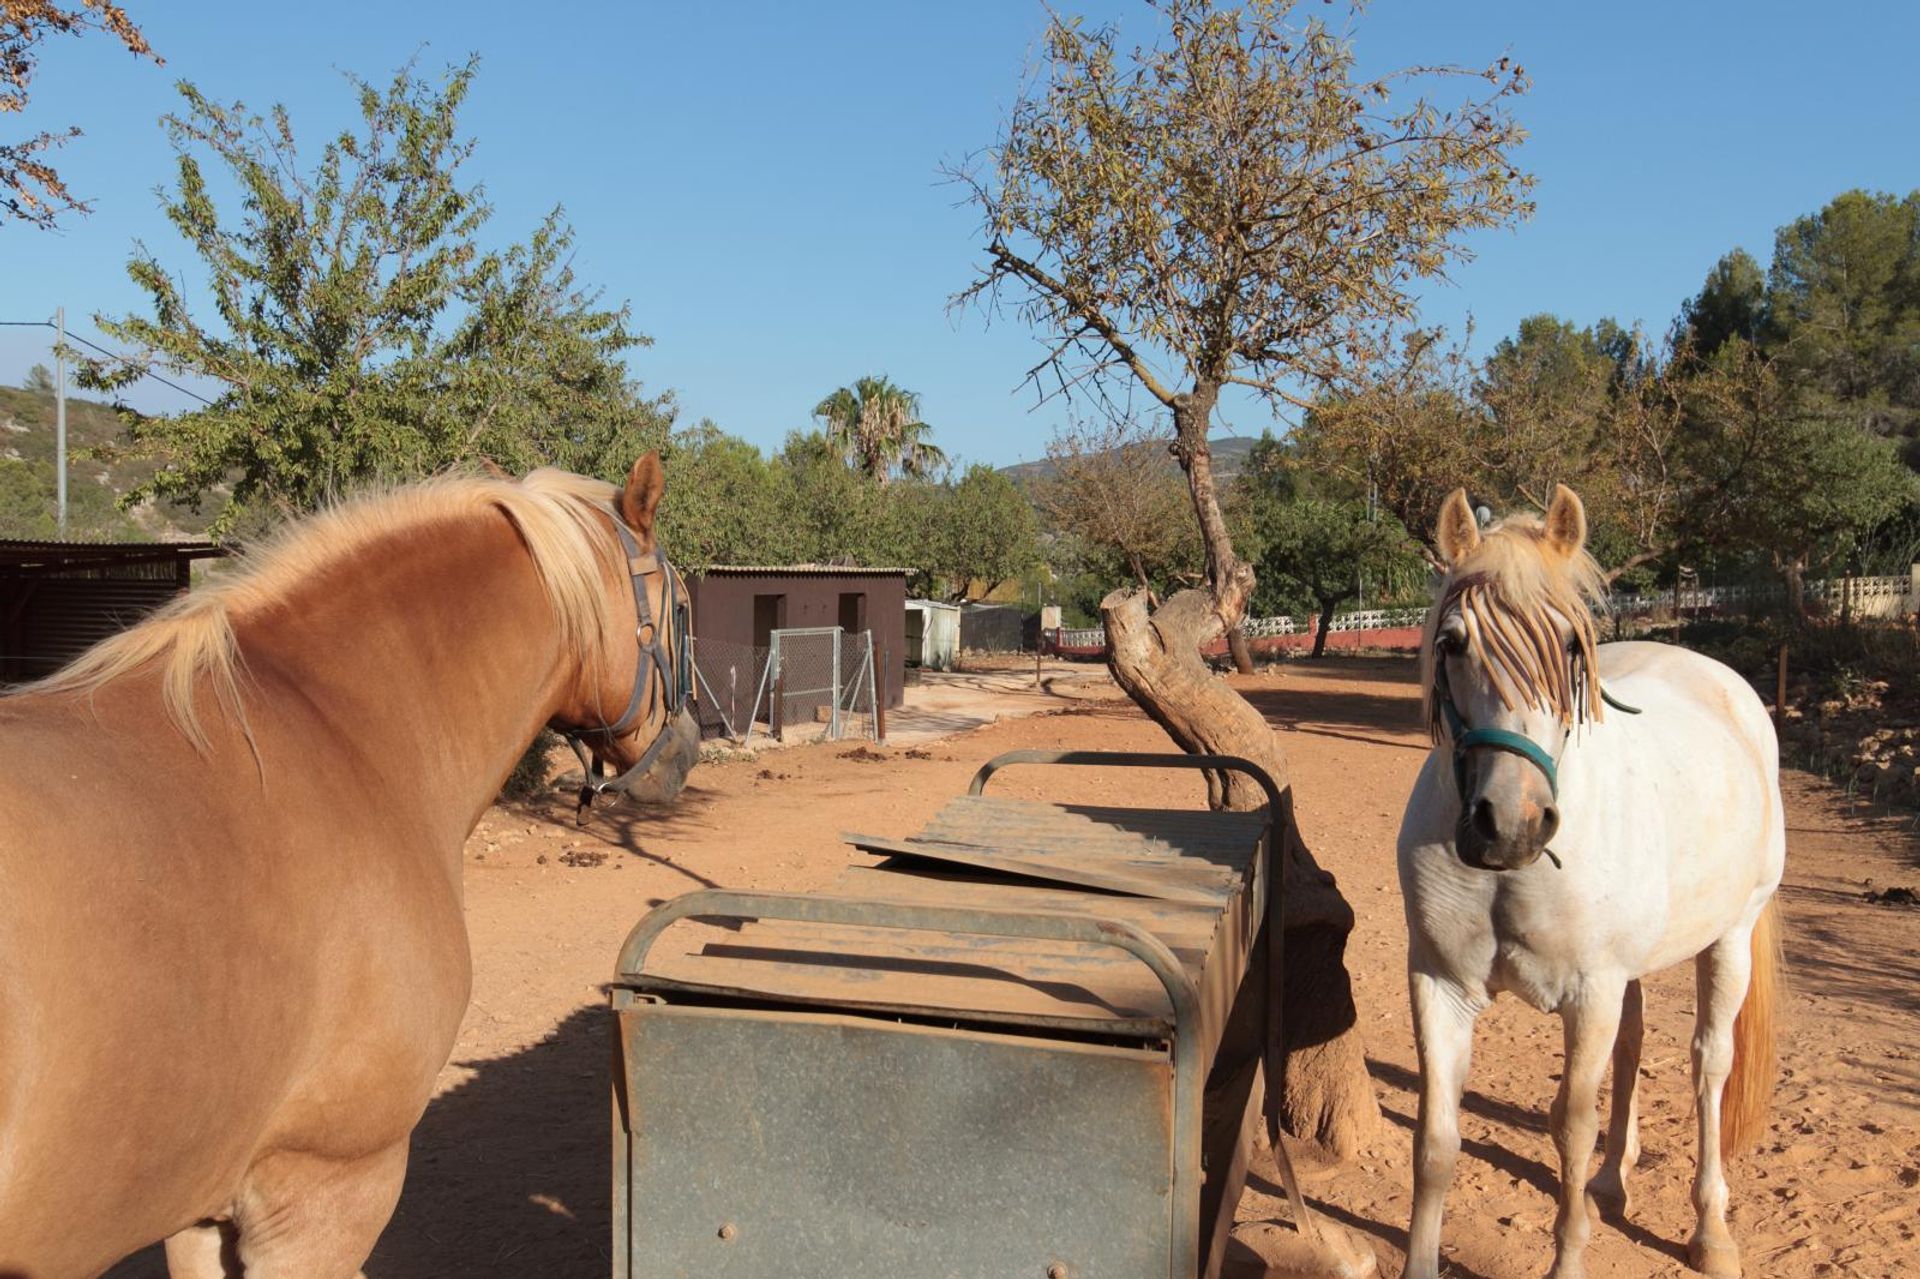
[{"x": 1714, "y": 1260}]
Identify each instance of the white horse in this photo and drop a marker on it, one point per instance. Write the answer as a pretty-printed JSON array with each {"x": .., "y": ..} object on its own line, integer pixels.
[{"x": 1659, "y": 814}]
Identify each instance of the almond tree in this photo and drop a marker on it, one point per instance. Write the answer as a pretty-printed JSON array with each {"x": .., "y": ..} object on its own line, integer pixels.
[
  {"x": 352, "y": 320},
  {"x": 1235, "y": 206},
  {"x": 30, "y": 187}
]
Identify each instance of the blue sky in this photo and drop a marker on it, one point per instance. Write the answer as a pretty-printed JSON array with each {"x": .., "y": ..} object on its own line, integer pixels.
[{"x": 761, "y": 180}]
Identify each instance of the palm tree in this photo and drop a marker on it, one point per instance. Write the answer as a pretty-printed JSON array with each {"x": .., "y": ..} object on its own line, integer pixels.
[{"x": 876, "y": 426}]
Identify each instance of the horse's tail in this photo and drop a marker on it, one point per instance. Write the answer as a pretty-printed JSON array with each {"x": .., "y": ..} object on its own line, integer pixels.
[{"x": 1743, "y": 1105}]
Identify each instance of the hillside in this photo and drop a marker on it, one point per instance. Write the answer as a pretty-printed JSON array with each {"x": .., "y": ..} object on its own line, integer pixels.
[
  {"x": 1229, "y": 455},
  {"x": 27, "y": 482}
]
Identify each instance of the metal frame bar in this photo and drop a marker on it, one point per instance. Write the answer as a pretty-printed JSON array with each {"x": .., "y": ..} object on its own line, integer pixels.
[{"x": 1188, "y": 1082}]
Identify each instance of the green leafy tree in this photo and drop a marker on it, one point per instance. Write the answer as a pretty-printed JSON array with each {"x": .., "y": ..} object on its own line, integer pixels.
[
  {"x": 727, "y": 504},
  {"x": 40, "y": 380},
  {"x": 876, "y": 426},
  {"x": 1844, "y": 304},
  {"x": 1323, "y": 549},
  {"x": 1731, "y": 304},
  {"x": 1776, "y": 471},
  {"x": 1234, "y": 204},
  {"x": 981, "y": 531},
  {"x": 357, "y": 327},
  {"x": 1316, "y": 539},
  {"x": 30, "y": 187}
]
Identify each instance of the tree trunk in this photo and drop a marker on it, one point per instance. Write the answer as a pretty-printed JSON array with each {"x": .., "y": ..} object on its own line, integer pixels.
[
  {"x": 1326, "y": 624},
  {"x": 1795, "y": 569},
  {"x": 1237, "y": 646},
  {"x": 1324, "y": 1094}
]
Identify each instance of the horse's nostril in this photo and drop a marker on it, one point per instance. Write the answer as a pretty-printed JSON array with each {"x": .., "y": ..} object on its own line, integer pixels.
[
  {"x": 1484, "y": 821},
  {"x": 1549, "y": 822}
]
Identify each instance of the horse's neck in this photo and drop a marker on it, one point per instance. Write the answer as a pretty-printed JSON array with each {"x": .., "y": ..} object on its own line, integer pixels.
[{"x": 433, "y": 656}]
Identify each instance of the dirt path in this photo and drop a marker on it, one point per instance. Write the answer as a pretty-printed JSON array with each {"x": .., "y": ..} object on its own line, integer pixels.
[{"x": 510, "y": 1173}]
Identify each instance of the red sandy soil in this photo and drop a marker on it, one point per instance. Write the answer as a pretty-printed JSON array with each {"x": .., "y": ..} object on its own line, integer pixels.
[{"x": 510, "y": 1166}]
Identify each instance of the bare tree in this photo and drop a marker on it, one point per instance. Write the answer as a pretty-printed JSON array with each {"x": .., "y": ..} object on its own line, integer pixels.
[
  {"x": 1111, "y": 485},
  {"x": 30, "y": 187},
  {"x": 1233, "y": 206}
]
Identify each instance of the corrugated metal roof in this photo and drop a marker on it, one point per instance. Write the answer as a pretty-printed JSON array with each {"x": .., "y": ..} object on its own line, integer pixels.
[
  {"x": 53, "y": 554},
  {"x": 797, "y": 570}
]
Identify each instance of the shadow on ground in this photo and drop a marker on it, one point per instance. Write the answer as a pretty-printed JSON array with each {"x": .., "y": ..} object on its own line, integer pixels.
[
  {"x": 1341, "y": 709},
  {"x": 510, "y": 1173}
]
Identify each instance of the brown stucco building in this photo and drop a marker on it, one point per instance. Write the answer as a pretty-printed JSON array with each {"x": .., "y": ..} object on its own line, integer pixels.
[{"x": 743, "y": 605}]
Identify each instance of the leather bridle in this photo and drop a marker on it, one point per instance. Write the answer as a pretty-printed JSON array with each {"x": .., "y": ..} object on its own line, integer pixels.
[{"x": 669, "y": 672}]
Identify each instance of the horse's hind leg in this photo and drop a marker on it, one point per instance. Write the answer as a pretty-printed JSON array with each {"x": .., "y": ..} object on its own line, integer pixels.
[
  {"x": 303, "y": 1217},
  {"x": 1610, "y": 1186},
  {"x": 1590, "y": 1026},
  {"x": 1443, "y": 1017},
  {"x": 1721, "y": 972}
]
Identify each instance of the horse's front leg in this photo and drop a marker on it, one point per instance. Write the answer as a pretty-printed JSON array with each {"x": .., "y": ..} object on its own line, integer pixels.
[
  {"x": 1443, "y": 1017},
  {"x": 1623, "y": 1116},
  {"x": 1590, "y": 1025}
]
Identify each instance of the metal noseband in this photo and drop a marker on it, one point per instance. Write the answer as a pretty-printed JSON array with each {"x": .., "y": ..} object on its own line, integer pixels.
[{"x": 678, "y": 741}]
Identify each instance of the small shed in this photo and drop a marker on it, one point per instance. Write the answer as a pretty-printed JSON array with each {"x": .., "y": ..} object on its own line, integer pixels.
[
  {"x": 738, "y": 607},
  {"x": 58, "y": 599},
  {"x": 933, "y": 634}
]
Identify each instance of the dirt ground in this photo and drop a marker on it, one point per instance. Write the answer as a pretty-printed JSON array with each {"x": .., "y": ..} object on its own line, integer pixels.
[{"x": 510, "y": 1166}]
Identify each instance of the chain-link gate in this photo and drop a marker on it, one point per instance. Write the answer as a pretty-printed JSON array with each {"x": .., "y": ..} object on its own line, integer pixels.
[
  {"x": 812, "y": 675},
  {"x": 730, "y": 678}
]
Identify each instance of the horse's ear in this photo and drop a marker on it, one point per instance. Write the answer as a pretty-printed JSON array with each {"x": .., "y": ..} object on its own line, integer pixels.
[
  {"x": 1458, "y": 532},
  {"x": 1566, "y": 521},
  {"x": 641, "y": 496},
  {"x": 494, "y": 471}
]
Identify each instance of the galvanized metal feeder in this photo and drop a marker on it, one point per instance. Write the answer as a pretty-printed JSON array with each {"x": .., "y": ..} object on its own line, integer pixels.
[{"x": 1025, "y": 1044}]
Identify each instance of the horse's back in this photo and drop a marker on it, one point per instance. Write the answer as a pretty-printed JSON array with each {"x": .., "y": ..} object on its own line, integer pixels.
[
  {"x": 1700, "y": 772},
  {"x": 1667, "y": 672}
]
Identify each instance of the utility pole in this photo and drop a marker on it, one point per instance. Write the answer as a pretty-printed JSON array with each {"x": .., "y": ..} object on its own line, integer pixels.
[{"x": 60, "y": 418}]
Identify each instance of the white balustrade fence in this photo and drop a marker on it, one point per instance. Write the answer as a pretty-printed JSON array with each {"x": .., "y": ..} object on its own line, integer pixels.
[{"x": 1883, "y": 597}]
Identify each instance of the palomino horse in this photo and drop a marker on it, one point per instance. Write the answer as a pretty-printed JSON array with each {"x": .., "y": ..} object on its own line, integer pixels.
[
  {"x": 1667, "y": 841},
  {"x": 232, "y": 950}
]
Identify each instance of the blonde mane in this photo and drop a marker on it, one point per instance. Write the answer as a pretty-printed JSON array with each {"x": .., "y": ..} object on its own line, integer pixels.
[
  {"x": 1513, "y": 592},
  {"x": 558, "y": 515}
]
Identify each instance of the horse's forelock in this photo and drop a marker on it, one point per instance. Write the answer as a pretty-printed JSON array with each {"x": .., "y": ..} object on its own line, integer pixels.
[{"x": 1515, "y": 593}]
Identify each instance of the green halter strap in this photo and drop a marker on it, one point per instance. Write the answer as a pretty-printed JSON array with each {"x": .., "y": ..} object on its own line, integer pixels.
[{"x": 1499, "y": 739}]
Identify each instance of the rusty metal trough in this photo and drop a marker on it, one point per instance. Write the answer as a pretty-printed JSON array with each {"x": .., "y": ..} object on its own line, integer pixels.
[{"x": 1026, "y": 1043}]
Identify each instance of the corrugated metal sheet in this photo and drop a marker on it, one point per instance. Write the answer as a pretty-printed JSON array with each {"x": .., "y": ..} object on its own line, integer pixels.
[{"x": 801, "y": 570}]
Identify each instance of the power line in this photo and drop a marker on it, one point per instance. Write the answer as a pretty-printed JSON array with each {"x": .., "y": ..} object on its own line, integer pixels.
[{"x": 115, "y": 355}]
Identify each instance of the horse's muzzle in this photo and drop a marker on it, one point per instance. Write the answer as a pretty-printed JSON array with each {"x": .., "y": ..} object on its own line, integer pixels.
[
  {"x": 1488, "y": 840},
  {"x": 662, "y": 783}
]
